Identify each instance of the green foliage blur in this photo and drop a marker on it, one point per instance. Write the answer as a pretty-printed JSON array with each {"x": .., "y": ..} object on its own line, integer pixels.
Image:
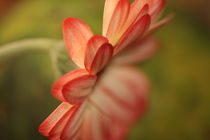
[{"x": 179, "y": 73}]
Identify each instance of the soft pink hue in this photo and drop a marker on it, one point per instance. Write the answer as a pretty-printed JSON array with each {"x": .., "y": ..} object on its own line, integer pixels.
[{"x": 105, "y": 96}]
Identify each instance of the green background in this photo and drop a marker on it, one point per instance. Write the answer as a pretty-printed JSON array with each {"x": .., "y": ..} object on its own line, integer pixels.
[{"x": 179, "y": 72}]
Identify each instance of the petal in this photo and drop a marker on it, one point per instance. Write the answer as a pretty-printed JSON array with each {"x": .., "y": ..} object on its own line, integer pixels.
[
  {"x": 122, "y": 94},
  {"x": 48, "y": 124},
  {"x": 156, "y": 6},
  {"x": 92, "y": 126},
  {"x": 117, "y": 21},
  {"x": 110, "y": 6},
  {"x": 76, "y": 35},
  {"x": 74, "y": 123},
  {"x": 137, "y": 8},
  {"x": 58, "y": 85},
  {"x": 159, "y": 24},
  {"x": 101, "y": 59},
  {"x": 138, "y": 51},
  {"x": 94, "y": 47},
  {"x": 57, "y": 130},
  {"x": 79, "y": 88},
  {"x": 134, "y": 32}
]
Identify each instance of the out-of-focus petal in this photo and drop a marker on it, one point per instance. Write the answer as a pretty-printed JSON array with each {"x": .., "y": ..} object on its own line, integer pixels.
[
  {"x": 110, "y": 6},
  {"x": 79, "y": 88},
  {"x": 156, "y": 7},
  {"x": 48, "y": 124},
  {"x": 98, "y": 54},
  {"x": 119, "y": 17},
  {"x": 58, "y": 85},
  {"x": 74, "y": 123},
  {"x": 134, "y": 32},
  {"x": 122, "y": 94},
  {"x": 137, "y": 51},
  {"x": 76, "y": 35},
  {"x": 92, "y": 126},
  {"x": 154, "y": 27}
]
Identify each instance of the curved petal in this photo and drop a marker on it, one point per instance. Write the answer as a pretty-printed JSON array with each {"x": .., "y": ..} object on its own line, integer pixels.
[
  {"x": 76, "y": 35},
  {"x": 109, "y": 8},
  {"x": 134, "y": 32},
  {"x": 117, "y": 21},
  {"x": 79, "y": 88},
  {"x": 101, "y": 59},
  {"x": 94, "y": 45},
  {"x": 58, "y": 85},
  {"x": 138, "y": 51},
  {"x": 46, "y": 127}
]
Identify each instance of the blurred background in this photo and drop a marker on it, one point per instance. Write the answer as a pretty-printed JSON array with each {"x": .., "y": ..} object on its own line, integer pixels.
[{"x": 179, "y": 73}]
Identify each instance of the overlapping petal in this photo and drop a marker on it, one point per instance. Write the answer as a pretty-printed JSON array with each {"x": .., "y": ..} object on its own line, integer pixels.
[
  {"x": 134, "y": 32},
  {"x": 50, "y": 122},
  {"x": 74, "y": 86},
  {"x": 74, "y": 123},
  {"x": 98, "y": 53}
]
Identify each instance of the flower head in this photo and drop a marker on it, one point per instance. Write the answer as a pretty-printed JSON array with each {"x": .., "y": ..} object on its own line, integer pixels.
[{"x": 105, "y": 95}]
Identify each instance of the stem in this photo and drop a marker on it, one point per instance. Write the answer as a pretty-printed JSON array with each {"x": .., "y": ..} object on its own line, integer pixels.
[{"x": 18, "y": 47}]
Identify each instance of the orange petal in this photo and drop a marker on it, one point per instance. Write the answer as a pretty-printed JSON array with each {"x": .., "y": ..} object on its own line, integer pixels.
[
  {"x": 117, "y": 21},
  {"x": 109, "y": 8},
  {"x": 76, "y": 35},
  {"x": 48, "y": 124},
  {"x": 79, "y": 88},
  {"x": 58, "y": 85},
  {"x": 134, "y": 32}
]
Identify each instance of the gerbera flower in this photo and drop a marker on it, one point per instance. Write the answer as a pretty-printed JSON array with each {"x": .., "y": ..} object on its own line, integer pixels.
[{"x": 105, "y": 95}]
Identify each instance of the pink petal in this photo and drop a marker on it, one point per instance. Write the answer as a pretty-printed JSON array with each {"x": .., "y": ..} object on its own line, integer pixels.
[
  {"x": 76, "y": 35},
  {"x": 79, "y": 88},
  {"x": 119, "y": 17},
  {"x": 122, "y": 94},
  {"x": 156, "y": 6},
  {"x": 159, "y": 24},
  {"x": 101, "y": 59},
  {"x": 74, "y": 123},
  {"x": 97, "y": 50},
  {"x": 110, "y": 6},
  {"x": 134, "y": 32},
  {"x": 92, "y": 126},
  {"x": 137, "y": 52},
  {"x": 58, "y": 85},
  {"x": 48, "y": 124}
]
